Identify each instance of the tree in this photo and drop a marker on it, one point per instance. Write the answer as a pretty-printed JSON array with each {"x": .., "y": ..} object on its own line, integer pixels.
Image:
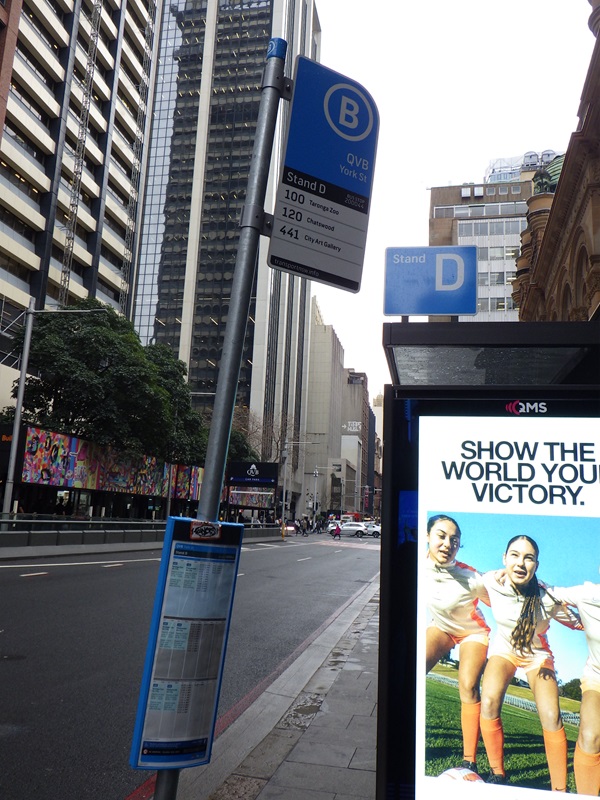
[
  {"x": 91, "y": 377},
  {"x": 189, "y": 430},
  {"x": 571, "y": 689}
]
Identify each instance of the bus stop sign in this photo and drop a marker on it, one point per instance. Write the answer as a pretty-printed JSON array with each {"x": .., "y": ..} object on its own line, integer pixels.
[{"x": 323, "y": 197}]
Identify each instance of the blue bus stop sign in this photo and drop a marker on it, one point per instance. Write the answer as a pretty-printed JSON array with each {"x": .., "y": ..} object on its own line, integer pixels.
[
  {"x": 430, "y": 281},
  {"x": 323, "y": 197}
]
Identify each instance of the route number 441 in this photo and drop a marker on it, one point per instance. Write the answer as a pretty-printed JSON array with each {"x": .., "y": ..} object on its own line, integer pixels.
[{"x": 287, "y": 231}]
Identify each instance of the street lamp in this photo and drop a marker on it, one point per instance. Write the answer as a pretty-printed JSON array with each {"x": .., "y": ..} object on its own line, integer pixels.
[
  {"x": 284, "y": 464},
  {"x": 316, "y": 474},
  {"x": 12, "y": 459}
]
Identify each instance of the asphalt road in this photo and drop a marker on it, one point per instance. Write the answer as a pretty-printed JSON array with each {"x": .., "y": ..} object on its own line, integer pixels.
[{"x": 73, "y": 634}]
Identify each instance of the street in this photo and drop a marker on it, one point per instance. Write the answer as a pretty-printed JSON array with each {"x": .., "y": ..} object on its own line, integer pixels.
[{"x": 73, "y": 636}]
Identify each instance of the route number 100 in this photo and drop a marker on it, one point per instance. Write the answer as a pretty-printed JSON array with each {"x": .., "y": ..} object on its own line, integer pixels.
[{"x": 295, "y": 197}]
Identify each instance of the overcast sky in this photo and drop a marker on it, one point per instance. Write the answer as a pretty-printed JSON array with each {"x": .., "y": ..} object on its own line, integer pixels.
[{"x": 457, "y": 84}]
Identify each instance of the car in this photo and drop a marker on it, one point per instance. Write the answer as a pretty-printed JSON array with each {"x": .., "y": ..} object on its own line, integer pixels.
[
  {"x": 354, "y": 529},
  {"x": 373, "y": 529}
]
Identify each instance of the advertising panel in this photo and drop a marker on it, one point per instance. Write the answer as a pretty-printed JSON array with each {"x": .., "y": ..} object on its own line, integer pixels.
[{"x": 498, "y": 514}]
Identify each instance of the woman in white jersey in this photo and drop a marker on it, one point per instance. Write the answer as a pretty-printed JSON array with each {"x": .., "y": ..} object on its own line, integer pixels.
[
  {"x": 522, "y": 609},
  {"x": 586, "y": 762},
  {"x": 453, "y": 591}
]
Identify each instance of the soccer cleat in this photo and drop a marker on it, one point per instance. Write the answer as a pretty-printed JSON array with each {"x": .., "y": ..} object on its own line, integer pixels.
[
  {"x": 470, "y": 765},
  {"x": 499, "y": 779}
]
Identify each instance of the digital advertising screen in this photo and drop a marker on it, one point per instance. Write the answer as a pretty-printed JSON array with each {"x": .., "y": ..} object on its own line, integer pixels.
[{"x": 490, "y": 640}]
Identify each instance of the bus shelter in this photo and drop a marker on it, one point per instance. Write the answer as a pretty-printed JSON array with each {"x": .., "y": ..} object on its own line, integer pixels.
[{"x": 495, "y": 425}]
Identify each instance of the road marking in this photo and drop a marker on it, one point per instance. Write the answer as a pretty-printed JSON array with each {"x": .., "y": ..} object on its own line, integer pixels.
[
  {"x": 31, "y": 574},
  {"x": 305, "y": 559},
  {"x": 77, "y": 563},
  {"x": 110, "y": 566}
]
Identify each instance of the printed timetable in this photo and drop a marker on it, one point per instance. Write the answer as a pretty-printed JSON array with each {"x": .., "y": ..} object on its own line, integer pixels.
[
  {"x": 319, "y": 230},
  {"x": 182, "y": 676}
]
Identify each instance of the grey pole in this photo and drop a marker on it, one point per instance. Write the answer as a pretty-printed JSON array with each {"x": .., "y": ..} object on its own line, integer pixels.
[
  {"x": 316, "y": 474},
  {"x": 12, "y": 459},
  {"x": 166, "y": 784},
  {"x": 284, "y": 464},
  {"x": 251, "y": 226},
  {"x": 245, "y": 265}
]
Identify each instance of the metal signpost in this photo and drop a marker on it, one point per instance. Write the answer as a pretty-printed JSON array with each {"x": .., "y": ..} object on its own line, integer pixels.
[
  {"x": 431, "y": 281},
  {"x": 251, "y": 224},
  {"x": 323, "y": 198},
  {"x": 334, "y": 191}
]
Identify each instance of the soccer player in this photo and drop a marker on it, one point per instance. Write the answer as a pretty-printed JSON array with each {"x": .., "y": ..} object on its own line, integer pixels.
[
  {"x": 453, "y": 591},
  {"x": 586, "y": 598},
  {"x": 522, "y": 609}
]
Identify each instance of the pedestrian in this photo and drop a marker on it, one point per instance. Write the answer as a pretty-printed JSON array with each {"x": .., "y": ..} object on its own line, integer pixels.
[
  {"x": 453, "y": 591},
  {"x": 337, "y": 532}
]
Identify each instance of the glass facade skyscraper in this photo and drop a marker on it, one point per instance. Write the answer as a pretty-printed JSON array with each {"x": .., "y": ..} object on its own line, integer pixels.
[{"x": 206, "y": 98}]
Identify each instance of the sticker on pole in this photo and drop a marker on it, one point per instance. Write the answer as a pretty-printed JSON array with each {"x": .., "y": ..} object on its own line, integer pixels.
[{"x": 324, "y": 192}]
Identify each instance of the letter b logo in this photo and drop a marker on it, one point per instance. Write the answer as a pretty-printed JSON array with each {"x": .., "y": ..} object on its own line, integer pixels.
[{"x": 348, "y": 112}]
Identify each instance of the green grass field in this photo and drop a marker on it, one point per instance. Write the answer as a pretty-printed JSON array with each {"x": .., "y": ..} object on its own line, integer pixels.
[{"x": 525, "y": 759}]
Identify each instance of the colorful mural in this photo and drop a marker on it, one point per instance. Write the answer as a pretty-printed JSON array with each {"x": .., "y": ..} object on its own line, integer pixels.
[{"x": 55, "y": 459}]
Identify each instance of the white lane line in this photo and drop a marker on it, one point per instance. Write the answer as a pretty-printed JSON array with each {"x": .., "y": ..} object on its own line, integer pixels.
[
  {"x": 264, "y": 544},
  {"x": 304, "y": 559},
  {"x": 110, "y": 566},
  {"x": 77, "y": 563},
  {"x": 32, "y": 574},
  {"x": 241, "y": 574}
]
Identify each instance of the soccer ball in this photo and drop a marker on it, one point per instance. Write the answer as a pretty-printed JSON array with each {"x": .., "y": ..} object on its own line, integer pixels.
[{"x": 460, "y": 774}]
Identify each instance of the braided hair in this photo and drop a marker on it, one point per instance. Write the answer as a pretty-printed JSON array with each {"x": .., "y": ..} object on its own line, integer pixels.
[{"x": 523, "y": 632}]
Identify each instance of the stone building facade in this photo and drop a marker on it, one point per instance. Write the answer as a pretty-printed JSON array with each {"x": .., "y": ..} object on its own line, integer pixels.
[{"x": 558, "y": 269}]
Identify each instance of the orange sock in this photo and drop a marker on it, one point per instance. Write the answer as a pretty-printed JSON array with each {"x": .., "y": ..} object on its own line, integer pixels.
[
  {"x": 469, "y": 720},
  {"x": 587, "y": 771},
  {"x": 555, "y": 743},
  {"x": 493, "y": 739}
]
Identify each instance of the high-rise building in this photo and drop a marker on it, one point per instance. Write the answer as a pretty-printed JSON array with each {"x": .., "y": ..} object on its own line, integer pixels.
[
  {"x": 74, "y": 78},
  {"x": 204, "y": 113},
  {"x": 490, "y": 215}
]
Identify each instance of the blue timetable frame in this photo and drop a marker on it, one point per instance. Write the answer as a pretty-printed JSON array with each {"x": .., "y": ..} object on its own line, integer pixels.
[{"x": 185, "y": 655}]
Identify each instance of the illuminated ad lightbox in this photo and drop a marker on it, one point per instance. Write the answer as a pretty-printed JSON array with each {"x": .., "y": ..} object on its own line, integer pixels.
[
  {"x": 180, "y": 687},
  {"x": 497, "y": 506}
]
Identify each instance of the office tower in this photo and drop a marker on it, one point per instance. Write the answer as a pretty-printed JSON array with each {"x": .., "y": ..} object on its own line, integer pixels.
[
  {"x": 206, "y": 101},
  {"x": 491, "y": 216},
  {"x": 73, "y": 85}
]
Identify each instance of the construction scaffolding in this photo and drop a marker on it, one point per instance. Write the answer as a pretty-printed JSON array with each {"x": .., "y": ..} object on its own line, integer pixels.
[{"x": 86, "y": 86}]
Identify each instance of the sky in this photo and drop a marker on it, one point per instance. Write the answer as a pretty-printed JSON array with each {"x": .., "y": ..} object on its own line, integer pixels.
[{"x": 457, "y": 85}]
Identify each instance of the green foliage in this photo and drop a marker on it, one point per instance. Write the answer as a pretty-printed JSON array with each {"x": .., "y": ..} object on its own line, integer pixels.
[
  {"x": 571, "y": 689},
  {"x": 90, "y": 376},
  {"x": 240, "y": 449},
  {"x": 525, "y": 757}
]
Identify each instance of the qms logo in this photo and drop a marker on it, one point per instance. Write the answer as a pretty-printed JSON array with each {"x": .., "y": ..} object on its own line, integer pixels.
[{"x": 518, "y": 408}]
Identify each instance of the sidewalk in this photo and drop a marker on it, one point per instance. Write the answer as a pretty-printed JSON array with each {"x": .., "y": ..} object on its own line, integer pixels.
[{"x": 311, "y": 735}]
